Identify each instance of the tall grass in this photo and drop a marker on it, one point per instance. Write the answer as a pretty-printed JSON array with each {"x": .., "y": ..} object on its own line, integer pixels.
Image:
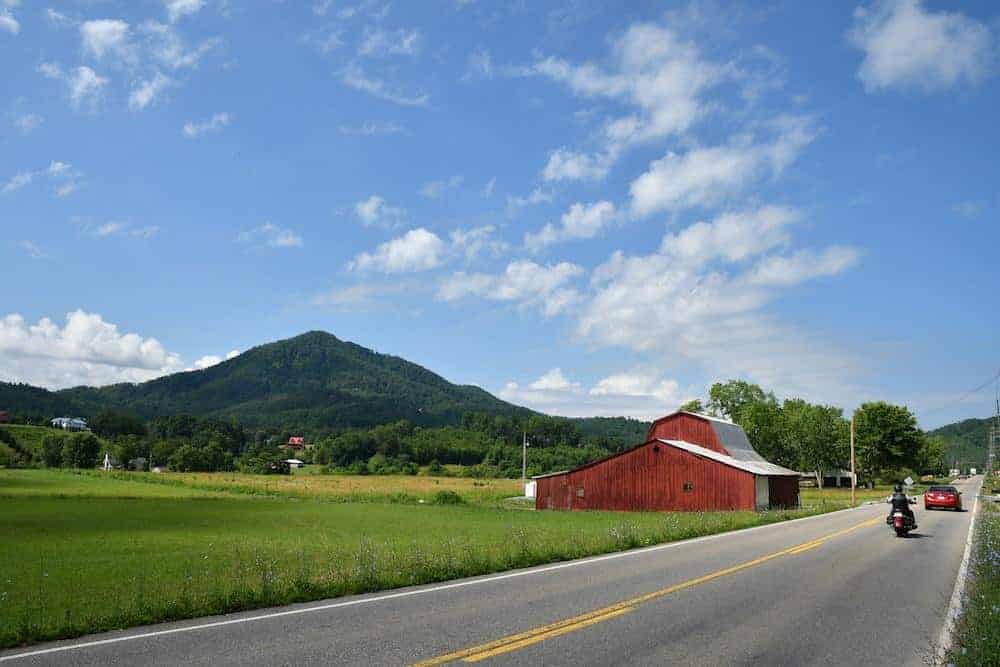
[{"x": 977, "y": 641}]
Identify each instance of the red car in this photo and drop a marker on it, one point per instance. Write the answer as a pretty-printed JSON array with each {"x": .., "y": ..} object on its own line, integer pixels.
[{"x": 943, "y": 497}]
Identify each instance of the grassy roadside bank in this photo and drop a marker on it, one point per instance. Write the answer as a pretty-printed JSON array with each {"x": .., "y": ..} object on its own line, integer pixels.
[
  {"x": 82, "y": 554},
  {"x": 977, "y": 639}
]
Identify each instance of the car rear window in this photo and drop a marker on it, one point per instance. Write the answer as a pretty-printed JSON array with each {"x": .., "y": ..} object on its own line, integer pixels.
[{"x": 942, "y": 489}]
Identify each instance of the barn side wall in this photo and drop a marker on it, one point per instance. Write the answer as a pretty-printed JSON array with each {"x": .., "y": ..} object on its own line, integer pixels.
[
  {"x": 651, "y": 477},
  {"x": 688, "y": 428},
  {"x": 783, "y": 491}
]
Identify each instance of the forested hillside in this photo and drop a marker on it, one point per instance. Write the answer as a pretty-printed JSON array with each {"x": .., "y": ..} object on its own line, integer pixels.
[{"x": 967, "y": 441}]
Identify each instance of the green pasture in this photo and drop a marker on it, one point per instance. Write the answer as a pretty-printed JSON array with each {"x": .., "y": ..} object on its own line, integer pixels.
[{"x": 80, "y": 553}]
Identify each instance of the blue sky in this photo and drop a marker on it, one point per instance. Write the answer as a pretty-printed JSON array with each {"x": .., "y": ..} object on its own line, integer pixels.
[{"x": 583, "y": 209}]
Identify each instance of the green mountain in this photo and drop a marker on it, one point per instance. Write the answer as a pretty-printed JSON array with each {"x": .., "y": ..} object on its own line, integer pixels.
[
  {"x": 968, "y": 441},
  {"x": 310, "y": 382}
]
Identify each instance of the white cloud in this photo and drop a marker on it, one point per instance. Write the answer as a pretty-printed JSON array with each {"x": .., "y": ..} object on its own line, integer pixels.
[
  {"x": 907, "y": 46},
  {"x": 18, "y": 181},
  {"x": 178, "y": 9},
  {"x": 58, "y": 18},
  {"x": 271, "y": 235},
  {"x": 33, "y": 250},
  {"x": 166, "y": 46},
  {"x": 66, "y": 189},
  {"x": 489, "y": 188},
  {"x": 57, "y": 167},
  {"x": 417, "y": 250},
  {"x": 479, "y": 65},
  {"x": 85, "y": 85},
  {"x": 707, "y": 176},
  {"x": 435, "y": 189},
  {"x": 379, "y": 42},
  {"x": 86, "y": 350},
  {"x": 147, "y": 91},
  {"x": 472, "y": 242},
  {"x": 107, "y": 37},
  {"x": 779, "y": 271},
  {"x": 374, "y": 211},
  {"x": 661, "y": 76},
  {"x": 210, "y": 360},
  {"x": 50, "y": 70},
  {"x": 523, "y": 282},
  {"x": 8, "y": 23},
  {"x": 566, "y": 165},
  {"x": 110, "y": 228},
  {"x": 372, "y": 128},
  {"x": 354, "y": 77},
  {"x": 969, "y": 209},
  {"x": 537, "y": 196},
  {"x": 218, "y": 121},
  {"x": 636, "y": 395},
  {"x": 579, "y": 222},
  {"x": 703, "y": 297},
  {"x": 347, "y": 297}
]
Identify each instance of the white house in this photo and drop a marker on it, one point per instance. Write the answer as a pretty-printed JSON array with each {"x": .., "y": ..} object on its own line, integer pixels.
[{"x": 69, "y": 423}]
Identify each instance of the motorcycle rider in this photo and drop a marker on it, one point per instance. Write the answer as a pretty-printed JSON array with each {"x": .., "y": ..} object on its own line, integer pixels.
[{"x": 900, "y": 503}]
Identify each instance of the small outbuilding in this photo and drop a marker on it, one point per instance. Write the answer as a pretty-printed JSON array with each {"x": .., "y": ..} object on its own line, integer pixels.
[{"x": 689, "y": 462}]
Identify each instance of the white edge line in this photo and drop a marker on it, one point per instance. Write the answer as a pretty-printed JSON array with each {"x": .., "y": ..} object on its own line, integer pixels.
[
  {"x": 955, "y": 606},
  {"x": 419, "y": 591}
]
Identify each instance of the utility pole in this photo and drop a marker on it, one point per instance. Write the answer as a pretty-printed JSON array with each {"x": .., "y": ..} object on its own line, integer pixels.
[
  {"x": 524, "y": 460},
  {"x": 854, "y": 477}
]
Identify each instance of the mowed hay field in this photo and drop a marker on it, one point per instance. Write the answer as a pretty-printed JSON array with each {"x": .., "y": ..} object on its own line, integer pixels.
[{"x": 82, "y": 553}]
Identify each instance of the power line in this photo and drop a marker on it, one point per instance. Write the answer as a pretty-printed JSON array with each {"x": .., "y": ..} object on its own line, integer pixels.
[{"x": 993, "y": 378}]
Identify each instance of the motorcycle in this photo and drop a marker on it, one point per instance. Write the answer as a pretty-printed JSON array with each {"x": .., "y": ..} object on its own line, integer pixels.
[{"x": 901, "y": 523}]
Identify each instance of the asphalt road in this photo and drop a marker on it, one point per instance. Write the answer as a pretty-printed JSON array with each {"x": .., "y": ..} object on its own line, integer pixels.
[{"x": 833, "y": 589}]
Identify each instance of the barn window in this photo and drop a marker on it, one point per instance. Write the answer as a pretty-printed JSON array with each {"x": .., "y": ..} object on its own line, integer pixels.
[
  {"x": 579, "y": 492},
  {"x": 689, "y": 486}
]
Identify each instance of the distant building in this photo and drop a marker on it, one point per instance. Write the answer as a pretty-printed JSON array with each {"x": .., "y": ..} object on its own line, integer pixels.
[
  {"x": 296, "y": 442},
  {"x": 295, "y": 463},
  {"x": 69, "y": 423},
  {"x": 4, "y": 417}
]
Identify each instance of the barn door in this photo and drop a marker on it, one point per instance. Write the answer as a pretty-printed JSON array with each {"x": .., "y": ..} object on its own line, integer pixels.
[{"x": 763, "y": 502}]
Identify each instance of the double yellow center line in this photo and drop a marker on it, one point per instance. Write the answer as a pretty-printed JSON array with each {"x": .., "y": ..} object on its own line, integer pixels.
[{"x": 540, "y": 634}]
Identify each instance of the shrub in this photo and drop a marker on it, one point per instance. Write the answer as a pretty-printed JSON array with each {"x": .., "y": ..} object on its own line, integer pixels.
[{"x": 447, "y": 498}]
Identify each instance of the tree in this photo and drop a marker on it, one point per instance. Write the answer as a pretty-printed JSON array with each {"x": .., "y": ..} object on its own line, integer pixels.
[
  {"x": 730, "y": 399},
  {"x": 110, "y": 424},
  {"x": 819, "y": 433},
  {"x": 693, "y": 405},
  {"x": 933, "y": 456},
  {"x": 52, "y": 446},
  {"x": 887, "y": 438},
  {"x": 80, "y": 450}
]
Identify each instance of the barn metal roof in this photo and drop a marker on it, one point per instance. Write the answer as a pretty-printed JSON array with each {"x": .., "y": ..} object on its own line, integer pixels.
[{"x": 757, "y": 465}]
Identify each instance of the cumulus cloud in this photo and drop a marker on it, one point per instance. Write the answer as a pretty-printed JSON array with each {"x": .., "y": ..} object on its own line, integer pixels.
[
  {"x": 523, "y": 282},
  {"x": 907, "y": 46},
  {"x": 33, "y": 250},
  {"x": 192, "y": 130},
  {"x": 702, "y": 297},
  {"x": 567, "y": 165},
  {"x": 473, "y": 242},
  {"x": 637, "y": 395},
  {"x": 706, "y": 176},
  {"x": 17, "y": 181},
  {"x": 272, "y": 236},
  {"x": 107, "y": 37},
  {"x": 85, "y": 86},
  {"x": 416, "y": 250},
  {"x": 63, "y": 177},
  {"x": 85, "y": 350},
  {"x": 579, "y": 222},
  {"x": 376, "y": 212},
  {"x": 536, "y": 196},
  {"x": 210, "y": 360},
  {"x": 355, "y": 77}
]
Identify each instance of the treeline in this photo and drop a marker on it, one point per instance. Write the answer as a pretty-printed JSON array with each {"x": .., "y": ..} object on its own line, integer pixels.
[{"x": 889, "y": 446}]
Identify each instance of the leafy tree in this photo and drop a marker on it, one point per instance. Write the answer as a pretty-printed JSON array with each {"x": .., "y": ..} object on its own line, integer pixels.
[
  {"x": 730, "y": 399},
  {"x": 110, "y": 424},
  {"x": 887, "y": 438},
  {"x": 80, "y": 450},
  {"x": 819, "y": 433},
  {"x": 932, "y": 458},
  {"x": 694, "y": 405},
  {"x": 52, "y": 450}
]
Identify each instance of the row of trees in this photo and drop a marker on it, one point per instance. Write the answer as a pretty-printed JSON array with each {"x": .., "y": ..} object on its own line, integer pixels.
[{"x": 816, "y": 438}]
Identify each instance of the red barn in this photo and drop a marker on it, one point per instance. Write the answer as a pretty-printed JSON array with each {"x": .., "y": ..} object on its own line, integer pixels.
[{"x": 689, "y": 462}]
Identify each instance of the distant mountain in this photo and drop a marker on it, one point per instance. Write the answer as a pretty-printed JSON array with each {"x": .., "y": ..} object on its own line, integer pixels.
[
  {"x": 312, "y": 381},
  {"x": 967, "y": 440}
]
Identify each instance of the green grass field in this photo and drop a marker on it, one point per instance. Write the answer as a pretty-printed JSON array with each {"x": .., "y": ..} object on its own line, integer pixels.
[{"x": 81, "y": 553}]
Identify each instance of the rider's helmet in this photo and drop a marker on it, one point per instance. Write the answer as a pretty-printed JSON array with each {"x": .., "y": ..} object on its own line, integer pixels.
[{"x": 898, "y": 488}]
